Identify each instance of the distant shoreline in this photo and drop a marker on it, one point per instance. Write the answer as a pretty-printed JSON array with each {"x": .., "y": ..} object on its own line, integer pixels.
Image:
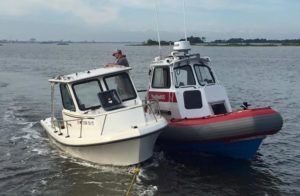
[
  {"x": 64, "y": 42},
  {"x": 229, "y": 45},
  {"x": 252, "y": 44},
  {"x": 208, "y": 44},
  {"x": 232, "y": 42}
]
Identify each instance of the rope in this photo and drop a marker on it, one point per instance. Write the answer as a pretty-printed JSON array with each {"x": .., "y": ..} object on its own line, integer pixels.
[{"x": 135, "y": 172}]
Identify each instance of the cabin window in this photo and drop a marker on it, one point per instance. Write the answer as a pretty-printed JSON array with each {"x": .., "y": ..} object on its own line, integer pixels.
[
  {"x": 67, "y": 101},
  {"x": 122, "y": 83},
  {"x": 161, "y": 77},
  {"x": 86, "y": 93},
  {"x": 184, "y": 76},
  {"x": 192, "y": 99},
  {"x": 204, "y": 74}
]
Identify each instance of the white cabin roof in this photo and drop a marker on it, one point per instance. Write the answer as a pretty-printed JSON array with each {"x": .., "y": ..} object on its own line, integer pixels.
[
  {"x": 70, "y": 78},
  {"x": 174, "y": 59}
]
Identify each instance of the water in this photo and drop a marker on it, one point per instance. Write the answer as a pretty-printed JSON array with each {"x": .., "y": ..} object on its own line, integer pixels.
[{"x": 31, "y": 165}]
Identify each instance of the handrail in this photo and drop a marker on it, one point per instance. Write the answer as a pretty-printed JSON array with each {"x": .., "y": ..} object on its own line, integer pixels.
[
  {"x": 187, "y": 86},
  {"x": 143, "y": 105},
  {"x": 103, "y": 124},
  {"x": 60, "y": 122},
  {"x": 111, "y": 112},
  {"x": 142, "y": 90},
  {"x": 156, "y": 102}
]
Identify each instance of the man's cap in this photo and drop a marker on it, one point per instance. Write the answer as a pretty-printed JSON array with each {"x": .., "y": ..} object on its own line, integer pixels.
[{"x": 117, "y": 51}]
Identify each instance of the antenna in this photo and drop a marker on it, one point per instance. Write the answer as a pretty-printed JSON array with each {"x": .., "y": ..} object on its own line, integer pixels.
[
  {"x": 157, "y": 27},
  {"x": 184, "y": 22}
]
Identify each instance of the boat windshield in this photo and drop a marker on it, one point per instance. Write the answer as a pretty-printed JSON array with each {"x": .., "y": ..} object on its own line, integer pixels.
[
  {"x": 184, "y": 76},
  {"x": 122, "y": 83},
  {"x": 204, "y": 74},
  {"x": 86, "y": 94}
]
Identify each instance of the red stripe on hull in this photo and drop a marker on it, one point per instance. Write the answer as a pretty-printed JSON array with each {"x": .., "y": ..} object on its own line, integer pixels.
[
  {"x": 162, "y": 96},
  {"x": 223, "y": 117}
]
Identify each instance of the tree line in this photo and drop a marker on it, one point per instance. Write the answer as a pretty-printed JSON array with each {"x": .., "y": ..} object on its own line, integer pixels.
[
  {"x": 193, "y": 40},
  {"x": 257, "y": 40},
  {"x": 200, "y": 40}
]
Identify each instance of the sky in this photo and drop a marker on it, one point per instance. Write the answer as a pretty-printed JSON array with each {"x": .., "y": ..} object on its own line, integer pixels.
[{"x": 135, "y": 20}]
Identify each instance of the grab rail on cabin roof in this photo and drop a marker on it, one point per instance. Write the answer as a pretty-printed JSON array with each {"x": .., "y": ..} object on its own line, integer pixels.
[{"x": 59, "y": 124}]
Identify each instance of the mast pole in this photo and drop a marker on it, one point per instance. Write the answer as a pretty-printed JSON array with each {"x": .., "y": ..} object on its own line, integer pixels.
[
  {"x": 157, "y": 27},
  {"x": 184, "y": 19}
]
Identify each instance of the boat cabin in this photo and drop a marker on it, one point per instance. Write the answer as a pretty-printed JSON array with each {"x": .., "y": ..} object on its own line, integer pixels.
[
  {"x": 104, "y": 89},
  {"x": 96, "y": 94},
  {"x": 96, "y": 90},
  {"x": 185, "y": 85},
  {"x": 103, "y": 119}
]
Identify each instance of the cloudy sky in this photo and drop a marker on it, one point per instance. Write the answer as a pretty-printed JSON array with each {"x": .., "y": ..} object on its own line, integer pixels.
[{"x": 134, "y": 20}]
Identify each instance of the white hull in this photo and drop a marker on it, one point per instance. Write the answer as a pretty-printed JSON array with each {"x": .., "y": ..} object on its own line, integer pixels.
[
  {"x": 122, "y": 151},
  {"x": 128, "y": 152},
  {"x": 103, "y": 119}
]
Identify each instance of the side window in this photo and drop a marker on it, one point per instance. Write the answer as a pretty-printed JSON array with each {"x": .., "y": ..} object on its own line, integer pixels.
[
  {"x": 184, "y": 76},
  {"x": 161, "y": 77},
  {"x": 66, "y": 98}
]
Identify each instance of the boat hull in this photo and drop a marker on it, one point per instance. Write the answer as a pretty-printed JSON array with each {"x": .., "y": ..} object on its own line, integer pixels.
[
  {"x": 113, "y": 150},
  {"x": 240, "y": 149},
  {"x": 122, "y": 153},
  {"x": 237, "y": 134}
]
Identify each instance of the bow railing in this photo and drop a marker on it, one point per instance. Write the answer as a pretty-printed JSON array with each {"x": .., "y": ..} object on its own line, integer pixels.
[{"x": 151, "y": 107}]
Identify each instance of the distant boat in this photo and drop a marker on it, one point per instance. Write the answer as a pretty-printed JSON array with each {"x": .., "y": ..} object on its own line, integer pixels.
[
  {"x": 62, "y": 43},
  {"x": 47, "y": 42}
]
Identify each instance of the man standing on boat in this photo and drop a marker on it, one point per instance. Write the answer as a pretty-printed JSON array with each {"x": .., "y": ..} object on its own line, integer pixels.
[{"x": 120, "y": 59}]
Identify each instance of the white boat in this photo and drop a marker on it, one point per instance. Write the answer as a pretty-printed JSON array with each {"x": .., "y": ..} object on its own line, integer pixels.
[
  {"x": 103, "y": 119},
  {"x": 198, "y": 110}
]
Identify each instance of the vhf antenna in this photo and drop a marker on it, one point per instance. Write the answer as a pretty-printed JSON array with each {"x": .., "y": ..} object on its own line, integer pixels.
[
  {"x": 157, "y": 27},
  {"x": 184, "y": 20}
]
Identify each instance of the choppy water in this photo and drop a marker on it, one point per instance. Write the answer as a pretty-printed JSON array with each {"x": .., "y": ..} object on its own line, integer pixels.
[{"x": 30, "y": 165}]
